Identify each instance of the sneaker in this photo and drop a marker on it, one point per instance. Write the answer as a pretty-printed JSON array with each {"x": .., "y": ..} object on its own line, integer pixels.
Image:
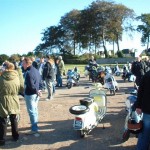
[
  {"x": 51, "y": 98},
  {"x": 47, "y": 99},
  {"x": 31, "y": 132},
  {"x": 36, "y": 134},
  {"x": 18, "y": 140}
]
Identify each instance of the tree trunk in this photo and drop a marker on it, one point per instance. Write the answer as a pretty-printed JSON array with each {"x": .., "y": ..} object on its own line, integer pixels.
[
  {"x": 105, "y": 50},
  {"x": 113, "y": 47},
  {"x": 148, "y": 43},
  {"x": 117, "y": 42},
  {"x": 95, "y": 48},
  {"x": 74, "y": 47}
]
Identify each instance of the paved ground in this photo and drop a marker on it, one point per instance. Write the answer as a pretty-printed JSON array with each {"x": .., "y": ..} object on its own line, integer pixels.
[{"x": 55, "y": 123}]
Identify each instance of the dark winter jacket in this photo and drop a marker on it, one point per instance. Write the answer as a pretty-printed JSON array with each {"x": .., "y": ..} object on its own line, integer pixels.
[
  {"x": 92, "y": 63},
  {"x": 138, "y": 68},
  {"x": 48, "y": 72},
  {"x": 32, "y": 81},
  {"x": 35, "y": 64},
  {"x": 143, "y": 98},
  {"x": 147, "y": 63}
]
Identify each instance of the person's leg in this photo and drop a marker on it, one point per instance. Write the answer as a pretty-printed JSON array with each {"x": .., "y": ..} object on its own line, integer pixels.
[
  {"x": 144, "y": 136},
  {"x": 3, "y": 129},
  {"x": 54, "y": 87},
  {"x": 32, "y": 108},
  {"x": 49, "y": 88},
  {"x": 14, "y": 126},
  {"x": 60, "y": 80},
  {"x": 137, "y": 80},
  {"x": 43, "y": 85}
]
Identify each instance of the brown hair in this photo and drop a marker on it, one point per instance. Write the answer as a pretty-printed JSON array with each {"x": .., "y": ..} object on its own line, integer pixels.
[
  {"x": 28, "y": 60},
  {"x": 51, "y": 61},
  {"x": 10, "y": 66}
]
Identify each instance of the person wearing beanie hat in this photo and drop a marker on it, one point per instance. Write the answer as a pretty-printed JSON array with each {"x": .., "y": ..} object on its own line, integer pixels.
[{"x": 61, "y": 71}]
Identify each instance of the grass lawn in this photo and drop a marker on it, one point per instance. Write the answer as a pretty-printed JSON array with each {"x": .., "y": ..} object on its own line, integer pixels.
[
  {"x": 82, "y": 66},
  {"x": 71, "y": 66}
]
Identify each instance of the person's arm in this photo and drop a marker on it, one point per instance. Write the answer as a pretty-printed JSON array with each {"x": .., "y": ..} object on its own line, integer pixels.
[
  {"x": 140, "y": 95},
  {"x": 133, "y": 68}
]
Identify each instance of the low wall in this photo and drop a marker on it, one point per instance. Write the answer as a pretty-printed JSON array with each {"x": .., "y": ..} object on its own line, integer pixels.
[{"x": 114, "y": 60}]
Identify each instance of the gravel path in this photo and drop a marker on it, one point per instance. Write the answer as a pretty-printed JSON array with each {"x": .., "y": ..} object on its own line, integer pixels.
[{"x": 55, "y": 123}]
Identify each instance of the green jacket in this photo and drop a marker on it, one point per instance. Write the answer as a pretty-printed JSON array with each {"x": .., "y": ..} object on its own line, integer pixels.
[
  {"x": 61, "y": 67},
  {"x": 9, "y": 89},
  {"x": 21, "y": 79}
]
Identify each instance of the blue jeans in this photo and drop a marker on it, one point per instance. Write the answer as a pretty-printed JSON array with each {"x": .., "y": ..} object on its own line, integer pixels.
[
  {"x": 144, "y": 136},
  {"x": 59, "y": 80},
  {"x": 54, "y": 87},
  {"x": 32, "y": 108}
]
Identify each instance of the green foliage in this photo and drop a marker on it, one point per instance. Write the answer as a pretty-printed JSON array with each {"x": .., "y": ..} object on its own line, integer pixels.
[
  {"x": 144, "y": 28},
  {"x": 93, "y": 27},
  {"x": 30, "y": 54},
  {"x": 3, "y": 58},
  {"x": 14, "y": 57},
  {"x": 120, "y": 54}
]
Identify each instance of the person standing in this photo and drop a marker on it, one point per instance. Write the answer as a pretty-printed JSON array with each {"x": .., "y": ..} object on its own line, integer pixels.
[
  {"x": 48, "y": 76},
  {"x": 60, "y": 71},
  {"x": 32, "y": 93},
  {"x": 92, "y": 68},
  {"x": 92, "y": 62},
  {"x": 20, "y": 64},
  {"x": 21, "y": 79},
  {"x": 147, "y": 62},
  {"x": 34, "y": 63},
  {"x": 9, "y": 102},
  {"x": 138, "y": 69},
  {"x": 143, "y": 105},
  {"x": 40, "y": 68}
]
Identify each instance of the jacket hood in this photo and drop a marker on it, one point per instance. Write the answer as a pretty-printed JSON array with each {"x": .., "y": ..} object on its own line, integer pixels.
[{"x": 10, "y": 75}]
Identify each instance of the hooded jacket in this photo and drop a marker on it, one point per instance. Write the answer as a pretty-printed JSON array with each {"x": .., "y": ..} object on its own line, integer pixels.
[
  {"x": 61, "y": 67},
  {"x": 48, "y": 71},
  {"x": 9, "y": 89}
]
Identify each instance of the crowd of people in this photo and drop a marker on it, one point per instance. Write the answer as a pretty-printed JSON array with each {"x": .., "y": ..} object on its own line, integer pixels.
[
  {"x": 27, "y": 78},
  {"x": 141, "y": 70}
]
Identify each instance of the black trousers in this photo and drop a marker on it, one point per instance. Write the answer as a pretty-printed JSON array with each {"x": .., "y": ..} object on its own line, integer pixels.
[{"x": 14, "y": 128}]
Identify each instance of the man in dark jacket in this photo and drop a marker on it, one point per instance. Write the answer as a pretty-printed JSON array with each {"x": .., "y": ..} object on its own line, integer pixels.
[
  {"x": 32, "y": 93},
  {"x": 143, "y": 105},
  {"x": 49, "y": 76},
  {"x": 34, "y": 63},
  {"x": 138, "y": 69},
  {"x": 92, "y": 62}
]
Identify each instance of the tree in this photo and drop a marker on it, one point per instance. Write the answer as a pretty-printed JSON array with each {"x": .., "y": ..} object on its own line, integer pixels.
[
  {"x": 144, "y": 28},
  {"x": 70, "y": 24},
  {"x": 120, "y": 21},
  {"x": 91, "y": 28},
  {"x": 3, "y": 58},
  {"x": 14, "y": 57}
]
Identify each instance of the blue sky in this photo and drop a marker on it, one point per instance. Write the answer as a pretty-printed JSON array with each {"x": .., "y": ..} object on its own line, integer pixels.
[{"x": 23, "y": 21}]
